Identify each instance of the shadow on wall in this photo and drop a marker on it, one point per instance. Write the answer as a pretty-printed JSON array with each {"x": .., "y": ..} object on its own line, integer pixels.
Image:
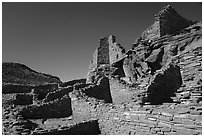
[
  {"x": 87, "y": 128},
  {"x": 101, "y": 90},
  {"x": 164, "y": 85},
  {"x": 56, "y": 109},
  {"x": 154, "y": 61}
]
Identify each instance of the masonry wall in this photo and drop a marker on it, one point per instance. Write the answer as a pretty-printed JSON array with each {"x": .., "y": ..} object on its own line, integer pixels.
[
  {"x": 103, "y": 52},
  {"x": 166, "y": 119},
  {"x": 116, "y": 51},
  {"x": 53, "y": 109},
  {"x": 11, "y": 88},
  {"x": 129, "y": 71},
  {"x": 85, "y": 128},
  {"x": 41, "y": 91},
  {"x": 123, "y": 93},
  {"x": 171, "y": 22},
  {"x": 152, "y": 32}
]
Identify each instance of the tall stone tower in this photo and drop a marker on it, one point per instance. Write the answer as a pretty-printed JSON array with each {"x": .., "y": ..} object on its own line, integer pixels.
[{"x": 108, "y": 52}]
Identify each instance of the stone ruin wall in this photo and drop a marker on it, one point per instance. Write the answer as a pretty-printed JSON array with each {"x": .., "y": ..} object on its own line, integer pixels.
[
  {"x": 103, "y": 52},
  {"x": 171, "y": 22},
  {"x": 166, "y": 119},
  {"x": 116, "y": 51},
  {"x": 181, "y": 117},
  {"x": 11, "y": 88},
  {"x": 119, "y": 117},
  {"x": 93, "y": 63},
  {"x": 123, "y": 93},
  {"x": 125, "y": 115},
  {"x": 153, "y": 32},
  {"x": 167, "y": 21},
  {"x": 107, "y": 53},
  {"x": 130, "y": 118},
  {"x": 129, "y": 71}
]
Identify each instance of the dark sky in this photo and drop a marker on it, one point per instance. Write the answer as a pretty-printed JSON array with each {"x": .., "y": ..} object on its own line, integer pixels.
[{"x": 60, "y": 38}]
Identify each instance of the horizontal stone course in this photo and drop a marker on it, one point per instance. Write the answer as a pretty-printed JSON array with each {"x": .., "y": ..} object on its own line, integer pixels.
[{"x": 144, "y": 122}]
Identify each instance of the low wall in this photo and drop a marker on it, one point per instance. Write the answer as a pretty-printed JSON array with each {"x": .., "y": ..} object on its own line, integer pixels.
[
  {"x": 71, "y": 83},
  {"x": 166, "y": 119},
  {"x": 84, "y": 128},
  {"x": 41, "y": 91},
  {"x": 23, "y": 99},
  {"x": 11, "y": 88},
  {"x": 51, "y": 96},
  {"x": 123, "y": 93},
  {"x": 53, "y": 109}
]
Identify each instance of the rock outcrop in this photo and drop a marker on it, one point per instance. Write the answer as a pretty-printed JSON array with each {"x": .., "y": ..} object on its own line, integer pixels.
[{"x": 16, "y": 73}]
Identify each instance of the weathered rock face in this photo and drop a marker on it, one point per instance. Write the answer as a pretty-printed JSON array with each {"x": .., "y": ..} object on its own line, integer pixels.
[
  {"x": 103, "y": 52},
  {"x": 152, "y": 52},
  {"x": 116, "y": 51},
  {"x": 171, "y": 22},
  {"x": 159, "y": 56},
  {"x": 60, "y": 107},
  {"x": 153, "y": 49},
  {"x": 16, "y": 73},
  {"x": 42, "y": 90},
  {"x": 164, "y": 84},
  {"x": 129, "y": 70},
  {"x": 106, "y": 54},
  {"x": 167, "y": 21},
  {"x": 100, "y": 91}
]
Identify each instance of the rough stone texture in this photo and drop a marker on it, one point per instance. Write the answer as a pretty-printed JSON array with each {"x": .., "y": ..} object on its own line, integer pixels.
[
  {"x": 57, "y": 94},
  {"x": 14, "y": 88},
  {"x": 83, "y": 128},
  {"x": 99, "y": 91},
  {"x": 152, "y": 32},
  {"x": 128, "y": 68},
  {"x": 123, "y": 93},
  {"x": 169, "y": 118},
  {"x": 164, "y": 85},
  {"x": 151, "y": 52},
  {"x": 164, "y": 99},
  {"x": 23, "y": 99},
  {"x": 41, "y": 91},
  {"x": 167, "y": 21},
  {"x": 52, "y": 109},
  {"x": 103, "y": 52},
  {"x": 153, "y": 46},
  {"x": 166, "y": 52},
  {"x": 106, "y": 54},
  {"x": 155, "y": 59},
  {"x": 116, "y": 51},
  {"x": 171, "y": 22},
  {"x": 72, "y": 82}
]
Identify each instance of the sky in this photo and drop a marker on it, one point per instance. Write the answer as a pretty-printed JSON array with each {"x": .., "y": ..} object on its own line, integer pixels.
[{"x": 60, "y": 38}]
